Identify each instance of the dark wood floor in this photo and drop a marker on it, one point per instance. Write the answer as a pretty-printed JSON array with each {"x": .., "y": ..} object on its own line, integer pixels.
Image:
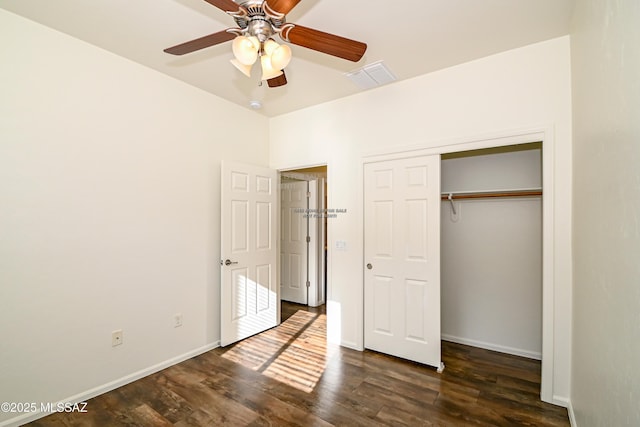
[
  {"x": 288, "y": 309},
  {"x": 289, "y": 376}
]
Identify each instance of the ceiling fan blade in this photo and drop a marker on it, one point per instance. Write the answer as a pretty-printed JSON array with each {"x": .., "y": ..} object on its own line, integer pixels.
[
  {"x": 282, "y": 6},
  {"x": 225, "y": 5},
  {"x": 281, "y": 80},
  {"x": 201, "y": 43},
  {"x": 324, "y": 42}
]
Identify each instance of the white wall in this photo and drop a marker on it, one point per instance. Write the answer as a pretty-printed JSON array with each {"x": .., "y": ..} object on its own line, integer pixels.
[
  {"x": 491, "y": 259},
  {"x": 605, "y": 46},
  {"x": 507, "y": 168},
  {"x": 523, "y": 88},
  {"x": 109, "y": 213}
]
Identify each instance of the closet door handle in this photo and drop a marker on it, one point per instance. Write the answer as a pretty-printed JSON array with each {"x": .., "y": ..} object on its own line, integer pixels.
[
  {"x": 369, "y": 266},
  {"x": 229, "y": 262}
]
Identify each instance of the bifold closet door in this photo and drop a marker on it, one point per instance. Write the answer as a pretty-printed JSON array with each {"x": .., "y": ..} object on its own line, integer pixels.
[{"x": 402, "y": 258}]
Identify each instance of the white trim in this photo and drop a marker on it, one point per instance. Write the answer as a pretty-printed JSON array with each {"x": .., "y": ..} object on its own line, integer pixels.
[
  {"x": 546, "y": 135},
  {"x": 454, "y": 145},
  {"x": 560, "y": 401},
  {"x": 104, "y": 388},
  {"x": 495, "y": 347},
  {"x": 548, "y": 266},
  {"x": 572, "y": 415},
  {"x": 329, "y": 260},
  {"x": 295, "y": 167}
]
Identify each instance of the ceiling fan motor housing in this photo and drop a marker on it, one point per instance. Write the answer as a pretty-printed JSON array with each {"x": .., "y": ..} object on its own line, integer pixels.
[
  {"x": 260, "y": 29},
  {"x": 258, "y": 20}
]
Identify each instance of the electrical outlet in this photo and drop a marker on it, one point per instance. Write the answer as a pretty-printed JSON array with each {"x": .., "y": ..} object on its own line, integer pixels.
[
  {"x": 177, "y": 320},
  {"x": 116, "y": 338}
]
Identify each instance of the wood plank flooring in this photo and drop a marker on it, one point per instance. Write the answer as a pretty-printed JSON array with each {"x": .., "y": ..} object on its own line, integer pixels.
[{"x": 266, "y": 383}]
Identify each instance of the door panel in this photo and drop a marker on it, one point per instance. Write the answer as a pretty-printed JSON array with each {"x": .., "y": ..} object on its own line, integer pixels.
[
  {"x": 402, "y": 239},
  {"x": 249, "y": 297},
  {"x": 382, "y": 287}
]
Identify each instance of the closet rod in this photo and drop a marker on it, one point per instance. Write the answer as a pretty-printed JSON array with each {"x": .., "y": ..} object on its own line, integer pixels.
[{"x": 529, "y": 193}]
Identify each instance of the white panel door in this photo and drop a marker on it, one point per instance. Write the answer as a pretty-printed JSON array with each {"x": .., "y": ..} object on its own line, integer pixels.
[
  {"x": 293, "y": 241},
  {"x": 402, "y": 258},
  {"x": 249, "y": 296}
]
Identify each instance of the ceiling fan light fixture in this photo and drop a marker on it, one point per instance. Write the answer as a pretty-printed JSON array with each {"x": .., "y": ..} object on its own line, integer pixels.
[
  {"x": 268, "y": 72},
  {"x": 270, "y": 46},
  {"x": 281, "y": 57},
  {"x": 257, "y": 22},
  {"x": 244, "y": 49},
  {"x": 255, "y": 41},
  {"x": 245, "y": 69}
]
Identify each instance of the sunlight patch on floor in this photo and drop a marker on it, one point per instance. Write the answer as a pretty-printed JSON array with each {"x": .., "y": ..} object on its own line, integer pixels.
[{"x": 295, "y": 353}]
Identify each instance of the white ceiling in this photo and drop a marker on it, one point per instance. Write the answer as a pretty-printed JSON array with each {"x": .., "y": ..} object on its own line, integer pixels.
[{"x": 413, "y": 37}]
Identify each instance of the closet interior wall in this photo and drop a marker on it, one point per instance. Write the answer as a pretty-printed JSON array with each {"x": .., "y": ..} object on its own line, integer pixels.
[{"x": 491, "y": 250}]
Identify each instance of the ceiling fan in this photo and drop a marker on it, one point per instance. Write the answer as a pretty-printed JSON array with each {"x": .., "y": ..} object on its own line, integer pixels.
[{"x": 258, "y": 21}]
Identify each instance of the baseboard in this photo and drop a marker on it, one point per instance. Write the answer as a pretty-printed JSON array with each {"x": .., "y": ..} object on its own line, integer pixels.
[
  {"x": 495, "y": 347},
  {"x": 96, "y": 391},
  {"x": 572, "y": 415},
  {"x": 560, "y": 401}
]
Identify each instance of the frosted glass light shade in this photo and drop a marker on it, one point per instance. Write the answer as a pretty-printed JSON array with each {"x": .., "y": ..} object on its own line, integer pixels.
[
  {"x": 256, "y": 42},
  {"x": 270, "y": 46},
  {"x": 246, "y": 69},
  {"x": 281, "y": 57},
  {"x": 268, "y": 72},
  {"x": 244, "y": 50}
]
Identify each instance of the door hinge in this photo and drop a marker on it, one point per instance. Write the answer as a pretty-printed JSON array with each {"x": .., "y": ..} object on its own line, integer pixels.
[
  {"x": 308, "y": 239},
  {"x": 308, "y": 194},
  {"x": 308, "y": 284}
]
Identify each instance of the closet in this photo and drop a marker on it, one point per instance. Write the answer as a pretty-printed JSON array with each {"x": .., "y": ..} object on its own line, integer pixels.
[{"x": 491, "y": 249}]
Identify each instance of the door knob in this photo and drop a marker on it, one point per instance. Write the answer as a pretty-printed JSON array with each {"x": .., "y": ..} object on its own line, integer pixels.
[
  {"x": 369, "y": 266},
  {"x": 229, "y": 262}
]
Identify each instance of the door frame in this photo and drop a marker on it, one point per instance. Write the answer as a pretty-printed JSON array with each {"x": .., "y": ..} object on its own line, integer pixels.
[
  {"x": 291, "y": 171},
  {"x": 546, "y": 136}
]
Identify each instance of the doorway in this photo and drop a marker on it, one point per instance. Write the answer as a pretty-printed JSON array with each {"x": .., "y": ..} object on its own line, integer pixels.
[{"x": 303, "y": 236}]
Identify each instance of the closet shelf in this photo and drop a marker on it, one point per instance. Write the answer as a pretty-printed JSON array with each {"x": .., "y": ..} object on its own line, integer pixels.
[{"x": 490, "y": 194}]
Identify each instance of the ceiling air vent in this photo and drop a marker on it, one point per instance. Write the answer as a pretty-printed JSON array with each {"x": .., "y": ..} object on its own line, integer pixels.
[{"x": 372, "y": 75}]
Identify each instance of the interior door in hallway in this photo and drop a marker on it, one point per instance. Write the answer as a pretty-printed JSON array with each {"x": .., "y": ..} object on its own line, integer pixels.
[
  {"x": 294, "y": 207},
  {"x": 249, "y": 297},
  {"x": 402, "y": 258}
]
